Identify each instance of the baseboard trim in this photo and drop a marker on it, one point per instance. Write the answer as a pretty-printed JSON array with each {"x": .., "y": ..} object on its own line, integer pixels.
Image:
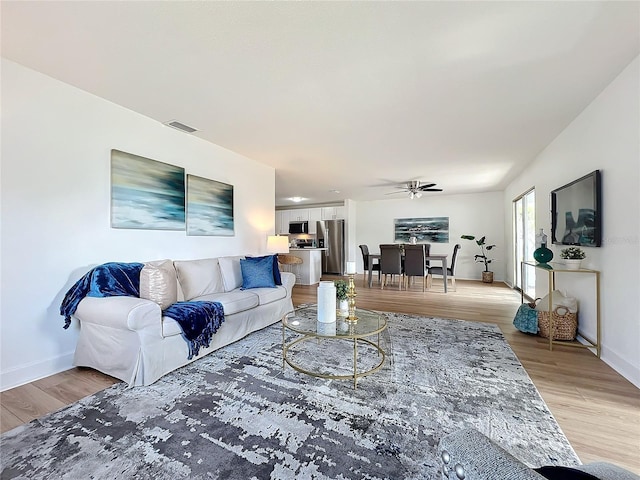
[
  {"x": 35, "y": 371},
  {"x": 627, "y": 370}
]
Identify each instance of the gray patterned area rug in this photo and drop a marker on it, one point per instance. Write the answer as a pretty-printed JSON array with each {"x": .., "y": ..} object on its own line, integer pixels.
[{"x": 236, "y": 414}]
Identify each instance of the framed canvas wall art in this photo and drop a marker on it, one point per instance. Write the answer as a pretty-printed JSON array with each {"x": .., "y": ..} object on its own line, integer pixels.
[
  {"x": 426, "y": 230},
  {"x": 209, "y": 207},
  {"x": 146, "y": 194}
]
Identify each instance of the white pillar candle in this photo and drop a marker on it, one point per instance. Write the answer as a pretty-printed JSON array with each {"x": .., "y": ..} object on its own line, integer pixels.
[
  {"x": 351, "y": 268},
  {"x": 326, "y": 302}
]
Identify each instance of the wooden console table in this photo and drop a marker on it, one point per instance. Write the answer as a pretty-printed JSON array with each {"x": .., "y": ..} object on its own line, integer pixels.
[{"x": 552, "y": 268}]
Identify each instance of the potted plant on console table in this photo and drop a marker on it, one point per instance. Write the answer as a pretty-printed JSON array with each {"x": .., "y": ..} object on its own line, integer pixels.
[
  {"x": 572, "y": 257},
  {"x": 487, "y": 276}
]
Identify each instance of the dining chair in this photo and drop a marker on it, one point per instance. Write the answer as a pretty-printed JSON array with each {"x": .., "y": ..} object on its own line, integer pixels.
[
  {"x": 391, "y": 263},
  {"x": 450, "y": 269},
  {"x": 415, "y": 263},
  {"x": 369, "y": 264},
  {"x": 427, "y": 249}
]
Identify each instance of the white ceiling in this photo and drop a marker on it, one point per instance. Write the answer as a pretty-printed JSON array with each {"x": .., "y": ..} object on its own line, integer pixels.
[{"x": 343, "y": 96}]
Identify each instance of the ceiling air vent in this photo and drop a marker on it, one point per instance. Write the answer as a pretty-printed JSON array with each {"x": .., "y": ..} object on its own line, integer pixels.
[{"x": 180, "y": 126}]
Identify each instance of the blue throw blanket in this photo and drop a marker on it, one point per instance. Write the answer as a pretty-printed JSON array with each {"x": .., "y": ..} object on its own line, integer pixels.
[
  {"x": 198, "y": 320},
  {"x": 526, "y": 319},
  {"x": 107, "y": 280}
]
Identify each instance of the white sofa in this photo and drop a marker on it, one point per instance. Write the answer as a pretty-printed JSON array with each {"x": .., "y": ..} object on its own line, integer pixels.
[{"x": 128, "y": 338}]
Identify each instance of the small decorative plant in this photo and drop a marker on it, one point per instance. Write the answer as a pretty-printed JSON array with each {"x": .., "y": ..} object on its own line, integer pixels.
[
  {"x": 572, "y": 253},
  {"x": 484, "y": 248},
  {"x": 341, "y": 289}
]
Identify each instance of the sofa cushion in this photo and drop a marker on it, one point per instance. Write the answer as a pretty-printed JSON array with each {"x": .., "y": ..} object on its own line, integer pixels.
[
  {"x": 233, "y": 302},
  {"x": 268, "y": 295},
  {"x": 231, "y": 272},
  {"x": 199, "y": 277},
  {"x": 257, "y": 273},
  {"x": 276, "y": 267},
  {"x": 158, "y": 283}
]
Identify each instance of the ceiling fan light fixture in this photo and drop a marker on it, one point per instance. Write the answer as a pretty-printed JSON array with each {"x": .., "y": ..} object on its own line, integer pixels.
[{"x": 415, "y": 189}]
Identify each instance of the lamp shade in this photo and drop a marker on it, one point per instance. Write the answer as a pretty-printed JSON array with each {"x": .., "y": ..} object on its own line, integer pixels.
[{"x": 277, "y": 244}]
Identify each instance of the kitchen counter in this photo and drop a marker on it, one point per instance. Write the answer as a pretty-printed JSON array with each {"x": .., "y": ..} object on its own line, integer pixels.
[{"x": 310, "y": 270}]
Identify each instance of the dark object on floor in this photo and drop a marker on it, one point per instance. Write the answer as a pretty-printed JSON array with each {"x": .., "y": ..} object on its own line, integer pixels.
[{"x": 468, "y": 454}]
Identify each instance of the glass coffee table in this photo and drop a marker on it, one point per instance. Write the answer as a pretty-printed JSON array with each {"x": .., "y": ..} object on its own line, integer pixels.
[{"x": 304, "y": 321}]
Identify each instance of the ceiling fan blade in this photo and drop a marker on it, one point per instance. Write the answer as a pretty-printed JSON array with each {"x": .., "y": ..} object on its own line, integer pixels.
[
  {"x": 426, "y": 186},
  {"x": 399, "y": 191},
  {"x": 431, "y": 189}
]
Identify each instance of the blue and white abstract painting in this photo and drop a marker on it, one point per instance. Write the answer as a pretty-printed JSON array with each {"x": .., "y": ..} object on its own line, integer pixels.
[
  {"x": 426, "y": 230},
  {"x": 209, "y": 207},
  {"x": 146, "y": 194}
]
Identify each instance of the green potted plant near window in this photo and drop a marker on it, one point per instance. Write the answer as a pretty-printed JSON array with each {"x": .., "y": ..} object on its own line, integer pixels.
[
  {"x": 341, "y": 297},
  {"x": 572, "y": 257},
  {"x": 487, "y": 276}
]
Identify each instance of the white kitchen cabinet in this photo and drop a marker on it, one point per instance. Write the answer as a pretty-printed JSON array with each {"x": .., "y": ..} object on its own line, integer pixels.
[
  {"x": 282, "y": 222},
  {"x": 333, "y": 213},
  {"x": 298, "y": 215},
  {"x": 315, "y": 215}
]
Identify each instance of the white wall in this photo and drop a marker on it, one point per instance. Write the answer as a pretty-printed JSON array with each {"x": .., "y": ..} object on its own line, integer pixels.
[
  {"x": 605, "y": 136},
  {"x": 351, "y": 216},
  {"x": 56, "y": 143},
  {"x": 473, "y": 214}
]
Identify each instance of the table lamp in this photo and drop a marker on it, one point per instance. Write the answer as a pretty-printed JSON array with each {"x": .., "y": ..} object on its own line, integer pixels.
[{"x": 277, "y": 244}]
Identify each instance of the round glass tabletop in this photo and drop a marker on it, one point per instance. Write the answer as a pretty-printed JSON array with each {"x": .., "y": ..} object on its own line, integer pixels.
[{"x": 305, "y": 321}]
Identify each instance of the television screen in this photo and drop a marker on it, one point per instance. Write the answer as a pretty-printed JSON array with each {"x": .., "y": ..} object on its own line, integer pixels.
[{"x": 576, "y": 213}]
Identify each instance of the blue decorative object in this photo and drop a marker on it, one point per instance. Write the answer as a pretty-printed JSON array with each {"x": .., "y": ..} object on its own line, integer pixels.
[
  {"x": 543, "y": 254},
  {"x": 108, "y": 280},
  {"x": 276, "y": 268},
  {"x": 199, "y": 321},
  {"x": 257, "y": 272},
  {"x": 526, "y": 319}
]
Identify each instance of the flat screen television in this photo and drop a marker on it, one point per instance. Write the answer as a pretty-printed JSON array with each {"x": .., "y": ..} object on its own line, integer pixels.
[{"x": 576, "y": 212}]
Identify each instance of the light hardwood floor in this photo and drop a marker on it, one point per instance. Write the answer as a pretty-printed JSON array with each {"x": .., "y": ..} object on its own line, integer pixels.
[{"x": 598, "y": 410}]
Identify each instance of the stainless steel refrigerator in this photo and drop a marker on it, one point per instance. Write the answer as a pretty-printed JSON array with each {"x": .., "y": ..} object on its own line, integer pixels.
[{"x": 330, "y": 235}]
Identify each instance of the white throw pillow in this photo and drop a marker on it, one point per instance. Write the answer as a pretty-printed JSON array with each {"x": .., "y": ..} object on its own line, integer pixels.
[
  {"x": 231, "y": 272},
  {"x": 158, "y": 283},
  {"x": 199, "y": 277},
  {"x": 558, "y": 298}
]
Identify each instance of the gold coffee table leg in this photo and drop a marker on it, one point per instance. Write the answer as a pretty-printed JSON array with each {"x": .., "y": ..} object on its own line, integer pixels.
[{"x": 355, "y": 363}]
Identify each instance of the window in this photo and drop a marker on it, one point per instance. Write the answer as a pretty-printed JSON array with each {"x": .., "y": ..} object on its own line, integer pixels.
[{"x": 524, "y": 214}]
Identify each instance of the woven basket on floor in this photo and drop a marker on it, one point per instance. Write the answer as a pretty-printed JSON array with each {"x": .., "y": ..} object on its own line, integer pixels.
[{"x": 565, "y": 324}]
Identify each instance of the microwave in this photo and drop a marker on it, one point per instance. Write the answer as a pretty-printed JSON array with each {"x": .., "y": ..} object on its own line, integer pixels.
[{"x": 298, "y": 227}]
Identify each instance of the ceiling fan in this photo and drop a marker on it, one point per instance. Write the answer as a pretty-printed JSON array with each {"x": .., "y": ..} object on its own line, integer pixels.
[{"x": 415, "y": 188}]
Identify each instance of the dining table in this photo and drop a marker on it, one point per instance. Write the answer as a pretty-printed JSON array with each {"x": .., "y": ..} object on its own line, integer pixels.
[{"x": 432, "y": 256}]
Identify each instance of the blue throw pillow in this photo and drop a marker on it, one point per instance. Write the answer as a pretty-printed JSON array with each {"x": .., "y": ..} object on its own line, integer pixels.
[
  {"x": 257, "y": 272},
  {"x": 276, "y": 268}
]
